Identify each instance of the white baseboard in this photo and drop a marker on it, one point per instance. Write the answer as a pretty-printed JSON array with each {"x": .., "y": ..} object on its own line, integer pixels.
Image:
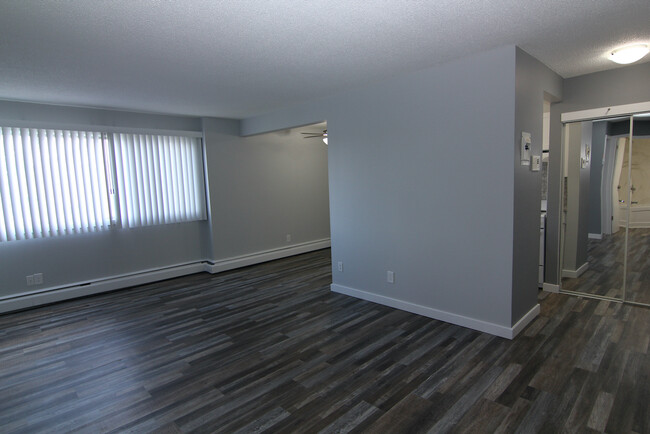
[
  {"x": 82, "y": 289},
  {"x": 524, "y": 321},
  {"x": 551, "y": 287},
  {"x": 595, "y": 236},
  {"x": 26, "y": 300},
  {"x": 266, "y": 255},
  {"x": 475, "y": 324},
  {"x": 638, "y": 225},
  {"x": 574, "y": 274}
]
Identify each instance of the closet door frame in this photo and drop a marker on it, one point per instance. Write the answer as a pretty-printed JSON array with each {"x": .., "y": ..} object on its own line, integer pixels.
[{"x": 601, "y": 113}]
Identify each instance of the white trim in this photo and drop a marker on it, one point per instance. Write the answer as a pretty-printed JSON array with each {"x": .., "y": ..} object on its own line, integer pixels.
[
  {"x": 81, "y": 289},
  {"x": 639, "y": 216},
  {"x": 218, "y": 266},
  {"x": 525, "y": 320},
  {"x": 595, "y": 236},
  {"x": 605, "y": 112},
  {"x": 638, "y": 225},
  {"x": 551, "y": 287},
  {"x": 98, "y": 128},
  {"x": 574, "y": 274},
  {"x": 473, "y": 323},
  {"x": 26, "y": 300}
]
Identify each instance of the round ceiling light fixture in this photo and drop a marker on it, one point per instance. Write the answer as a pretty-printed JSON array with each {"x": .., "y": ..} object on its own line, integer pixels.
[{"x": 629, "y": 54}]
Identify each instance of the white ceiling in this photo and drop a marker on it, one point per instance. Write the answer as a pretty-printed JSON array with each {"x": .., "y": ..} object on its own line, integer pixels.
[{"x": 237, "y": 58}]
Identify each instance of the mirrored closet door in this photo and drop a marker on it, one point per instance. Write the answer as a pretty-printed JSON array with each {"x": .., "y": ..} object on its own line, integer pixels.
[
  {"x": 605, "y": 212},
  {"x": 637, "y": 186}
]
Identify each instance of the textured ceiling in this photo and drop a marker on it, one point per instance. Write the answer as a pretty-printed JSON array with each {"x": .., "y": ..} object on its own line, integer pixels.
[{"x": 237, "y": 58}]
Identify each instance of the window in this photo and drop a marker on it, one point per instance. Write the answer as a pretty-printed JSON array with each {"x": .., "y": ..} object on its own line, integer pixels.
[
  {"x": 57, "y": 182},
  {"x": 159, "y": 179}
]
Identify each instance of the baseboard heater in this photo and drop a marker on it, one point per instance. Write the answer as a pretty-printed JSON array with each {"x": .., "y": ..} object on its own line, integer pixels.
[{"x": 30, "y": 299}]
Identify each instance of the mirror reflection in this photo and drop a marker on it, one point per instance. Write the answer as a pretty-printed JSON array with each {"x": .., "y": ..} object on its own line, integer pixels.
[
  {"x": 637, "y": 163},
  {"x": 593, "y": 246},
  {"x": 605, "y": 243}
]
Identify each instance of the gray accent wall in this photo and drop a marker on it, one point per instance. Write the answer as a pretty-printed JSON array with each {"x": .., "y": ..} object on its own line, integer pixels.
[
  {"x": 599, "y": 132},
  {"x": 263, "y": 188},
  {"x": 534, "y": 82},
  {"x": 625, "y": 85},
  {"x": 260, "y": 189},
  {"x": 69, "y": 117},
  {"x": 418, "y": 189},
  {"x": 577, "y": 203}
]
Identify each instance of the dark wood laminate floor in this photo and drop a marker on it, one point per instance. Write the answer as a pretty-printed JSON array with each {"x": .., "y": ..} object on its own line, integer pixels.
[
  {"x": 605, "y": 273},
  {"x": 270, "y": 348}
]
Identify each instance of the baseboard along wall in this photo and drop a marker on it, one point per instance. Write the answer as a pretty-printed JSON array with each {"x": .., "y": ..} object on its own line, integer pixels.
[
  {"x": 472, "y": 323},
  {"x": 574, "y": 274},
  {"x": 82, "y": 289}
]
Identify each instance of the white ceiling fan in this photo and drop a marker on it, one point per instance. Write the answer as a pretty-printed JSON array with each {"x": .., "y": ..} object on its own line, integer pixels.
[{"x": 322, "y": 135}]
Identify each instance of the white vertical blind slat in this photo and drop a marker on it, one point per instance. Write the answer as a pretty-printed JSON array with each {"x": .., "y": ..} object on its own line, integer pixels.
[
  {"x": 39, "y": 173},
  {"x": 166, "y": 184},
  {"x": 31, "y": 204},
  {"x": 51, "y": 183},
  {"x": 7, "y": 224},
  {"x": 13, "y": 157},
  {"x": 55, "y": 182},
  {"x": 60, "y": 216},
  {"x": 151, "y": 181},
  {"x": 158, "y": 185}
]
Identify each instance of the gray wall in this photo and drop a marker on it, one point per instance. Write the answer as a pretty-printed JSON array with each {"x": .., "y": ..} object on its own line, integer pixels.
[
  {"x": 263, "y": 188},
  {"x": 641, "y": 127},
  {"x": 71, "y": 116},
  {"x": 533, "y": 81},
  {"x": 421, "y": 183},
  {"x": 260, "y": 188},
  {"x": 619, "y": 86},
  {"x": 575, "y": 243},
  {"x": 599, "y": 131},
  {"x": 585, "y": 183}
]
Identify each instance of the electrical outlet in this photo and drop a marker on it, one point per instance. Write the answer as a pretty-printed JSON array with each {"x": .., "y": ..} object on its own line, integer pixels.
[
  {"x": 30, "y": 280},
  {"x": 340, "y": 265},
  {"x": 288, "y": 238},
  {"x": 38, "y": 279},
  {"x": 390, "y": 277}
]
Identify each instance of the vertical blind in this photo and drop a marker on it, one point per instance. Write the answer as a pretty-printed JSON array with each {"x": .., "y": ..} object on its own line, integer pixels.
[
  {"x": 159, "y": 178},
  {"x": 52, "y": 182},
  {"x": 57, "y": 182}
]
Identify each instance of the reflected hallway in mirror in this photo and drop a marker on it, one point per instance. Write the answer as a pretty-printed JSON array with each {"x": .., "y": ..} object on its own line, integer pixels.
[
  {"x": 637, "y": 279},
  {"x": 593, "y": 246},
  {"x": 605, "y": 242}
]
